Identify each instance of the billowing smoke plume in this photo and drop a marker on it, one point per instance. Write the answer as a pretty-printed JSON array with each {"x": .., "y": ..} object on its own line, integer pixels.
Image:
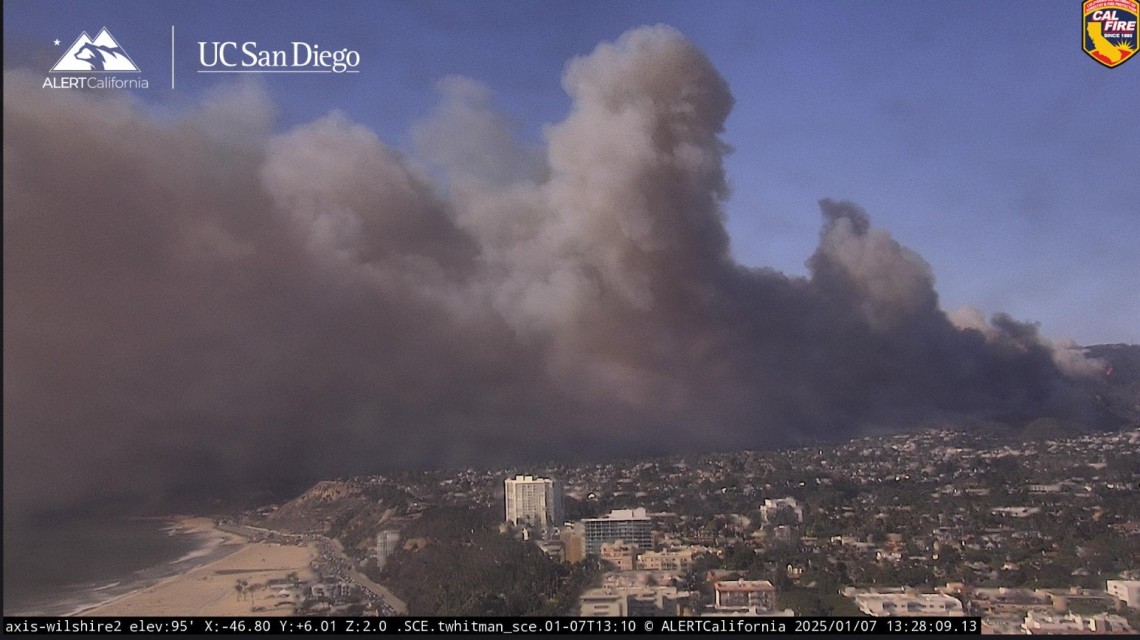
[{"x": 202, "y": 305}]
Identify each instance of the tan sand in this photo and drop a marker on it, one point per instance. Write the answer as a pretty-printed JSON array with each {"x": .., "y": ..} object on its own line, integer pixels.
[{"x": 210, "y": 590}]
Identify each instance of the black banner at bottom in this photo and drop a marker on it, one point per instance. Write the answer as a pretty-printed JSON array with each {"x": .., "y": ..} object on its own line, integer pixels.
[{"x": 476, "y": 625}]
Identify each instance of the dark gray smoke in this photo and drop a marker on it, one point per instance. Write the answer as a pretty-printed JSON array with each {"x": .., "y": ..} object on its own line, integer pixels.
[{"x": 205, "y": 306}]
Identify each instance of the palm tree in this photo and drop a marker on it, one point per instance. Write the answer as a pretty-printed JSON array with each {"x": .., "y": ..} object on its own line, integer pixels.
[{"x": 252, "y": 589}]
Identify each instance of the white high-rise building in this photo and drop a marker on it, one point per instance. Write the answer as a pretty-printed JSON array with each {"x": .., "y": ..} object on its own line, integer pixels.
[
  {"x": 633, "y": 526},
  {"x": 534, "y": 501},
  {"x": 387, "y": 541}
]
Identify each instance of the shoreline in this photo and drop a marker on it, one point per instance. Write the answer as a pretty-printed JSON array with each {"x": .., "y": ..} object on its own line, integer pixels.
[
  {"x": 212, "y": 541},
  {"x": 171, "y": 545},
  {"x": 210, "y": 588}
]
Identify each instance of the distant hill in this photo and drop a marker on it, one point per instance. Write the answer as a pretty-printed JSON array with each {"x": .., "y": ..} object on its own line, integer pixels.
[
  {"x": 350, "y": 511},
  {"x": 1124, "y": 358},
  {"x": 1119, "y": 395},
  {"x": 1110, "y": 401}
]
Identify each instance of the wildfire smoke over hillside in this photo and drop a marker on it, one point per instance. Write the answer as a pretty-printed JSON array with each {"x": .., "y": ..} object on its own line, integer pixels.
[{"x": 206, "y": 305}]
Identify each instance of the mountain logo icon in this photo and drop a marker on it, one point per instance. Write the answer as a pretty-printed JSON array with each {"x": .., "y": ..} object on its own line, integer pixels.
[{"x": 101, "y": 55}]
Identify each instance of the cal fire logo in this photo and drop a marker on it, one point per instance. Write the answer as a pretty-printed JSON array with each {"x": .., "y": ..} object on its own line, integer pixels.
[
  {"x": 1110, "y": 30},
  {"x": 103, "y": 54}
]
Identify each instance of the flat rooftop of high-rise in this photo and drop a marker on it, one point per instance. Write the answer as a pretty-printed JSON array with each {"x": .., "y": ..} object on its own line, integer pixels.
[
  {"x": 744, "y": 585},
  {"x": 624, "y": 514}
]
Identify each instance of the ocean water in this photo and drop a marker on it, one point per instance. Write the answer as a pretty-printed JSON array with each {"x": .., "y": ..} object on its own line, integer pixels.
[{"x": 63, "y": 568}]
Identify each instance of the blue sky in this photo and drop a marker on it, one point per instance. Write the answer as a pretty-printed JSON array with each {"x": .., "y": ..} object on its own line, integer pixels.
[{"x": 978, "y": 133}]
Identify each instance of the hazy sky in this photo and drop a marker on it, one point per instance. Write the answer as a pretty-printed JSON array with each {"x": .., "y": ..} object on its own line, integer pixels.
[{"x": 978, "y": 133}]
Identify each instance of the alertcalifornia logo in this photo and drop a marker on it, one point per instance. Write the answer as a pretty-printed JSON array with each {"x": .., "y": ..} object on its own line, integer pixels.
[{"x": 95, "y": 59}]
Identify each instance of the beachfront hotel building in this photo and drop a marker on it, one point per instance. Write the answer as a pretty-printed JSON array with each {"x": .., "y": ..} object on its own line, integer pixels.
[
  {"x": 632, "y": 526},
  {"x": 535, "y": 502}
]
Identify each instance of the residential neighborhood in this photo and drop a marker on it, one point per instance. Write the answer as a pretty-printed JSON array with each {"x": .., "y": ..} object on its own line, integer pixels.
[{"x": 1033, "y": 536}]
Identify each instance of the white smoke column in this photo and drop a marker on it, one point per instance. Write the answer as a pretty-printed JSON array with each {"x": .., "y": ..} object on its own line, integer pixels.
[
  {"x": 892, "y": 281},
  {"x": 972, "y": 318},
  {"x": 1070, "y": 359},
  {"x": 1073, "y": 360},
  {"x": 471, "y": 141},
  {"x": 629, "y": 216}
]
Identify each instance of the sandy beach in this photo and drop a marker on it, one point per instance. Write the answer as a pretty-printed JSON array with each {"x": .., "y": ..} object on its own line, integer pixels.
[{"x": 210, "y": 590}]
